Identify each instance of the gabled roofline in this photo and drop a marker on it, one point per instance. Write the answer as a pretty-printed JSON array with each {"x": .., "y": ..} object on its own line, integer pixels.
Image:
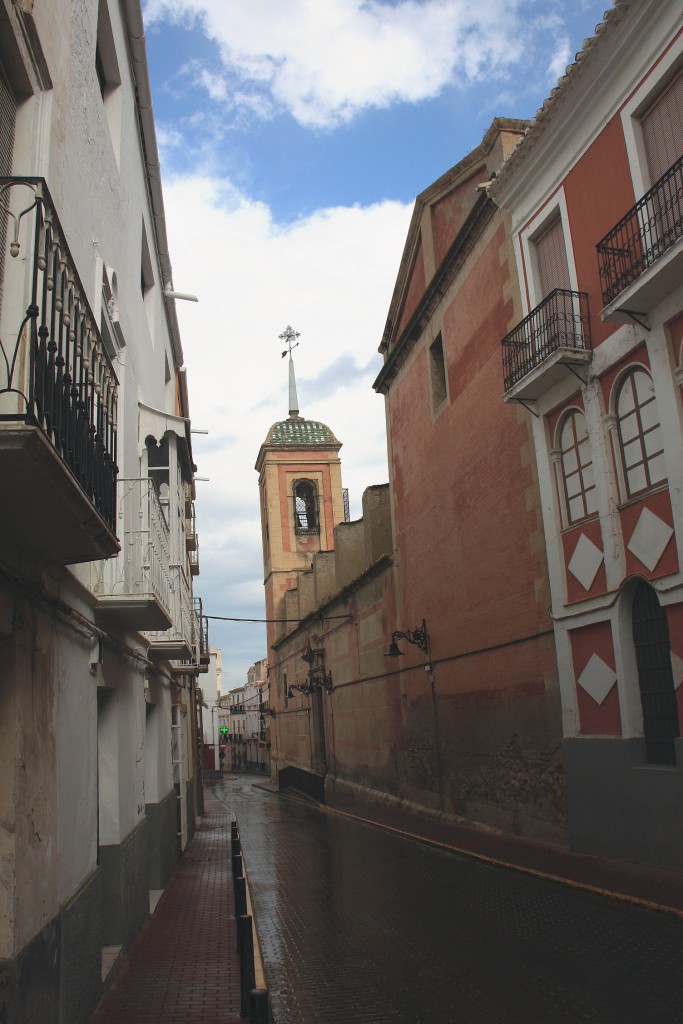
[
  {"x": 427, "y": 198},
  {"x": 566, "y": 85}
]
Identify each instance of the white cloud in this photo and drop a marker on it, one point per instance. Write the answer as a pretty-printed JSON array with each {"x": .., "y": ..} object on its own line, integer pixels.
[
  {"x": 560, "y": 59},
  {"x": 331, "y": 276},
  {"x": 325, "y": 61}
]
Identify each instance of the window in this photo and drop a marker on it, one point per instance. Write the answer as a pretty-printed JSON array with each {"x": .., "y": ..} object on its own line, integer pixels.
[
  {"x": 437, "y": 369},
  {"x": 662, "y": 128},
  {"x": 655, "y": 676},
  {"x": 639, "y": 434},
  {"x": 306, "y": 507},
  {"x": 147, "y": 281},
  {"x": 551, "y": 256},
  {"x": 577, "y": 467},
  {"x": 108, "y": 76}
]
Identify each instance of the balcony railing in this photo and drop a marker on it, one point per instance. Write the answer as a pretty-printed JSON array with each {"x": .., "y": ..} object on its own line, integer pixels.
[
  {"x": 643, "y": 236},
  {"x": 193, "y": 556},
  {"x": 136, "y": 586},
  {"x": 176, "y": 642},
  {"x": 54, "y": 371},
  {"x": 558, "y": 323},
  {"x": 202, "y": 633},
  {"x": 191, "y": 529}
]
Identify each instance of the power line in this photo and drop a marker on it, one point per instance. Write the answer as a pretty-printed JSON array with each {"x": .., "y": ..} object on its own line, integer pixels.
[{"x": 230, "y": 618}]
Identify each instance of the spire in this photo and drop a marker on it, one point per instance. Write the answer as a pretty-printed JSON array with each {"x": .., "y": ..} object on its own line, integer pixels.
[{"x": 288, "y": 336}]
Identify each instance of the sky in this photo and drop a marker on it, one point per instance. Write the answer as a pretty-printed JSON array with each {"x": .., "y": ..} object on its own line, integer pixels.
[{"x": 294, "y": 136}]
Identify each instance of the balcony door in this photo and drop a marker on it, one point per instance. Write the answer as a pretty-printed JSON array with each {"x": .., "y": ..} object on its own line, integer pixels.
[
  {"x": 556, "y": 324},
  {"x": 662, "y": 128},
  {"x": 655, "y": 676}
]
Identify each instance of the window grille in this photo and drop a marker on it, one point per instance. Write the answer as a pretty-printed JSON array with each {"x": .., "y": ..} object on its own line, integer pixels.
[{"x": 306, "y": 519}]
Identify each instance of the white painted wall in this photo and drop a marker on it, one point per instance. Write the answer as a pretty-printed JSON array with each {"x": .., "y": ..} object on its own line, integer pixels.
[{"x": 53, "y": 743}]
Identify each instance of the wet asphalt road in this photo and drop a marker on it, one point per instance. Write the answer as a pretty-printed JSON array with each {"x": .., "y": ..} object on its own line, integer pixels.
[{"x": 360, "y": 925}]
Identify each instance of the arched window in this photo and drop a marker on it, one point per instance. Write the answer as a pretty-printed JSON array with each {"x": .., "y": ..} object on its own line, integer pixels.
[
  {"x": 640, "y": 438},
  {"x": 655, "y": 676},
  {"x": 306, "y": 507},
  {"x": 578, "y": 476}
]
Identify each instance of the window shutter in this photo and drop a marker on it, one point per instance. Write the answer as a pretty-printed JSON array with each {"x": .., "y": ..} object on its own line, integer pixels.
[
  {"x": 551, "y": 253},
  {"x": 662, "y": 127},
  {"x": 7, "y": 115}
]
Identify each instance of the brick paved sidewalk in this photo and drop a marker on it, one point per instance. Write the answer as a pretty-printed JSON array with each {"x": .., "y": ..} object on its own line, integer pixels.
[
  {"x": 633, "y": 882},
  {"x": 183, "y": 968}
]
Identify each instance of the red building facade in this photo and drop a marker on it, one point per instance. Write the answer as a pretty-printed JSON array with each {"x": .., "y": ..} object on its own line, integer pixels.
[
  {"x": 595, "y": 193},
  {"x": 449, "y": 561}
]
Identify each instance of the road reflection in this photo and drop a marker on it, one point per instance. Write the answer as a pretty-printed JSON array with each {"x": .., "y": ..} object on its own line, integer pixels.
[{"x": 359, "y": 925}]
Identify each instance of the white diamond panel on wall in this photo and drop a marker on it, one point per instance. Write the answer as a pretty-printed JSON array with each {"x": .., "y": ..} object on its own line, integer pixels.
[
  {"x": 597, "y": 679},
  {"x": 649, "y": 539},
  {"x": 677, "y": 669},
  {"x": 585, "y": 561}
]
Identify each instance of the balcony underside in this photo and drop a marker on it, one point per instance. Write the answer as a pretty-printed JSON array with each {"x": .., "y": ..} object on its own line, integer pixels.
[
  {"x": 651, "y": 288},
  {"x": 554, "y": 368},
  {"x": 45, "y": 512},
  {"x": 170, "y": 649},
  {"x": 185, "y": 668},
  {"x": 133, "y": 611}
]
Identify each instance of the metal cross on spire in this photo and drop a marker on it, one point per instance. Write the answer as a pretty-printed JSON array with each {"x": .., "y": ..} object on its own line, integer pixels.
[{"x": 289, "y": 336}]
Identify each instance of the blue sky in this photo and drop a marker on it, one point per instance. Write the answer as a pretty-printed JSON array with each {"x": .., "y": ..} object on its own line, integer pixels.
[{"x": 294, "y": 136}]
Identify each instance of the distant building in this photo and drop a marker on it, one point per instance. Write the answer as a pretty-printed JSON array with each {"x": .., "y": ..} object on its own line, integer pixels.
[
  {"x": 256, "y": 693},
  {"x": 211, "y": 695}
]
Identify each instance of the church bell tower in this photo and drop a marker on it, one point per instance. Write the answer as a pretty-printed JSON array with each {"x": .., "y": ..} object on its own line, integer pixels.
[{"x": 300, "y": 495}]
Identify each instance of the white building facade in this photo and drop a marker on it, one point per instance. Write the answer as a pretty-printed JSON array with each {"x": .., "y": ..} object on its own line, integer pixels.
[{"x": 101, "y": 640}]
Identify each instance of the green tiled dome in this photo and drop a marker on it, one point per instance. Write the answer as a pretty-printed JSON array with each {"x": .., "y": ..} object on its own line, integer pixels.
[{"x": 297, "y": 432}]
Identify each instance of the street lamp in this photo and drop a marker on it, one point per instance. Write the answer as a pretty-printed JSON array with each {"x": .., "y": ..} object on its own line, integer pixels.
[
  {"x": 315, "y": 681},
  {"x": 417, "y": 636}
]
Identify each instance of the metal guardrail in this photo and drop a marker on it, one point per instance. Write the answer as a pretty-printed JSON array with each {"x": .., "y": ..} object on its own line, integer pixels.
[
  {"x": 57, "y": 372},
  {"x": 144, "y": 563},
  {"x": 253, "y": 999},
  {"x": 559, "y": 322},
  {"x": 643, "y": 235}
]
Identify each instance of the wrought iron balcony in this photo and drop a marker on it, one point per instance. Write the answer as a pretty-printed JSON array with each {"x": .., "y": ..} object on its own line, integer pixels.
[
  {"x": 193, "y": 555},
  {"x": 134, "y": 590},
  {"x": 646, "y": 236},
  {"x": 175, "y": 643},
  {"x": 58, "y": 390},
  {"x": 555, "y": 333},
  {"x": 191, "y": 529},
  {"x": 202, "y": 633}
]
